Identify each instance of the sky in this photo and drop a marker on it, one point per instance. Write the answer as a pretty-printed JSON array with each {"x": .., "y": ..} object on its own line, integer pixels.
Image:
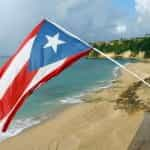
[{"x": 92, "y": 20}]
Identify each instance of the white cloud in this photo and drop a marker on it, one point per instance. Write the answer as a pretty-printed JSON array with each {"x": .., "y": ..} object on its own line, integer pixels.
[
  {"x": 63, "y": 7},
  {"x": 121, "y": 29},
  {"x": 143, "y": 14},
  {"x": 143, "y": 7}
]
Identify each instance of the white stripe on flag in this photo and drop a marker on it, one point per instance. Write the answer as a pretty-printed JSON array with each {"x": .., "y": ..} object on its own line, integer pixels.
[
  {"x": 43, "y": 72},
  {"x": 14, "y": 68}
]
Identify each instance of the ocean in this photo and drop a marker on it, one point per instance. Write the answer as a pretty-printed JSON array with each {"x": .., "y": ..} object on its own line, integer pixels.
[{"x": 84, "y": 76}]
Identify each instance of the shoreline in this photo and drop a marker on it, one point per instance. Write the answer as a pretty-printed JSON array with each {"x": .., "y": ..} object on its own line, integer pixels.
[
  {"x": 64, "y": 106},
  {"x": 41, "y": 120},
  {"x": 125, "y": 55},
  {"x": 74, "y": 118}
]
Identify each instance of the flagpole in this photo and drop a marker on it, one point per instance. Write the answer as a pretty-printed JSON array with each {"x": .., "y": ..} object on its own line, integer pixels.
[{"x": 122, "y": 66}]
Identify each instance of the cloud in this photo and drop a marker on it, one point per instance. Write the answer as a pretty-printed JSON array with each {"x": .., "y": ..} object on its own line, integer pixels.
[
  {"x": 91, "y": 20},
  {"x": 86, "y": 18},
  {"x": 143, "y": 15},
  {"x": 142, "y": 7},
  {"x": 120, "y": 29}
]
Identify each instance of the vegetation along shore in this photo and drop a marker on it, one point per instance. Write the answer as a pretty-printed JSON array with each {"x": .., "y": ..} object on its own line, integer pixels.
[{"x": 124, "y": 48}]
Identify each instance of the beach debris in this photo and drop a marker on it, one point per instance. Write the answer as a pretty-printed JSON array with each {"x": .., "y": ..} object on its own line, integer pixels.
[{"x": 130, "y": 101}]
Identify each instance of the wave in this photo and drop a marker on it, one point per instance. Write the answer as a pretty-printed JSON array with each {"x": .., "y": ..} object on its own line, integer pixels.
[
  {"x": 78, "y": 98},
  {"x": 72, "y": 100},
  {"x": 18, "y": 126},
  {"x": 100, "y": 85},
  {"x": 116, "y": 72}
]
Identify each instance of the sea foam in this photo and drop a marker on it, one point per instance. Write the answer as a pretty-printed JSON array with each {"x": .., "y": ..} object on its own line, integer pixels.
[{"x": 18, "y": 126}]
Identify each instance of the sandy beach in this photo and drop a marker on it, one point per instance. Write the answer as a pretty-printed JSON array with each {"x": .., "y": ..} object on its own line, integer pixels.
[{"x": 110, "y": 119}]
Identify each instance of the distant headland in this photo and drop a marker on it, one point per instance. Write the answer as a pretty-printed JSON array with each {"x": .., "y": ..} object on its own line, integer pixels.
[{"x": 124, "y": 48}]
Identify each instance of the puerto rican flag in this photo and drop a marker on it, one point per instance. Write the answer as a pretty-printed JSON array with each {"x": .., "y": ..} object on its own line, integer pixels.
[{"x": 45, "y": 53}]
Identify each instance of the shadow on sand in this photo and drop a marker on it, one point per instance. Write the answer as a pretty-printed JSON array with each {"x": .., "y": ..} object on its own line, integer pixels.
[{"x": 141, "y": 140}]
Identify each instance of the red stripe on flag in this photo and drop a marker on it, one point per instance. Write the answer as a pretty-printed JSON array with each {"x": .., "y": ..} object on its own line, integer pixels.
[
  {"x": 15, "y": 90},
  {"x": 30, "y": 36},
  {"x": 66, "y": 64}
]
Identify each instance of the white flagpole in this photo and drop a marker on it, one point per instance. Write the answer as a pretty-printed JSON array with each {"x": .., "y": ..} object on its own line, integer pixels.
[{"x": 122, "y": 66}]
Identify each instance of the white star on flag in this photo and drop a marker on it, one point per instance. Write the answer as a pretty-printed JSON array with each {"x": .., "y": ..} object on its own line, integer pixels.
[{"x": 54, "y": 42}]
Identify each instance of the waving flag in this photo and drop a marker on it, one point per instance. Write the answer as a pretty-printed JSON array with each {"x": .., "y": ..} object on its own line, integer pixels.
[{"x": 45, "y": 53}]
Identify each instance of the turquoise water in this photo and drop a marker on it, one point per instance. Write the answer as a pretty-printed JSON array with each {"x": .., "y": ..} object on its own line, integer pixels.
[{"x": 68, "y": 87}]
